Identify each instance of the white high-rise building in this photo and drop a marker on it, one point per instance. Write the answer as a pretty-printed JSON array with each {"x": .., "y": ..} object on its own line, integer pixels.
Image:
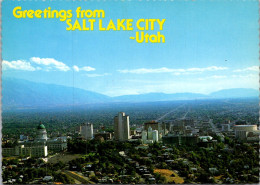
[
  {"x": 144, "y": 136},
  {"x": 86, "y": 130},
  {"x": 121, "y": 127},
  {"x": 155, "y": 136}
]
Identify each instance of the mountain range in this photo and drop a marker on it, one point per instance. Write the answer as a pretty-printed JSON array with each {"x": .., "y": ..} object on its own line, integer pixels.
[{"x": 23, "y": 93}]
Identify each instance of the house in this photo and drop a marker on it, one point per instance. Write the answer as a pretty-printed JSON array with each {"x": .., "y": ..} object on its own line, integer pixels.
[
  {"x": 213, "y": 170},
  {"x": 47, "y": 178}
]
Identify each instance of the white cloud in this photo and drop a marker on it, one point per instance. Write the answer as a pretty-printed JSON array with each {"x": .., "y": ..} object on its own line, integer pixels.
[
  {"x": 85, "y": 68},
  {"x": 218, "y": 77},
  {"x": 252, "y": 68},
  {"x": 145, "y": 70},
  {"x": 211, "y": 68},
  {"x": 76, "y": 68},
  {"x": 50, "y": 63},
  {"x": 213, "y": 77},
  {"x": 19, "y": 65},
  {"x": 96, "y": 75},
  {"x": 44, "y": 64},
  {"x": 170, "y": 70},
  {"x": 255, "y": 76}
]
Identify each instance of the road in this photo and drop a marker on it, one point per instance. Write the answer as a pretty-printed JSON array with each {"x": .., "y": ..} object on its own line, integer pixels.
[
  {"x": 162, "y": 117},
  {"x": 184, "y": 116},
  {"x": 78, "y": 178}
]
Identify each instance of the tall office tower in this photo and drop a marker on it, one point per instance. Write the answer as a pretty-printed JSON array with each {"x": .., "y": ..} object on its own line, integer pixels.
[
  {"x": 144, "y": 136},
  {"x": 150, "y": 133},
  {"x": 86, "y": 130},
  {"x": 155, "y": 135},
  {"x": 153, "y": 124},
  {"x": 121, "y": 127}
]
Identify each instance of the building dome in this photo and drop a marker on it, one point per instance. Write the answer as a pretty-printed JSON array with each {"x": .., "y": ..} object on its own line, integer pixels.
[
  {"x": 41, "y": 126},
  {"x": 41, "y": 133}
]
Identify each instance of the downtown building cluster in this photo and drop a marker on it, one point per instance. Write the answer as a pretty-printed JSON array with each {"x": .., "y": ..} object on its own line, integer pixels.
[{"x": 177, "y": 132}]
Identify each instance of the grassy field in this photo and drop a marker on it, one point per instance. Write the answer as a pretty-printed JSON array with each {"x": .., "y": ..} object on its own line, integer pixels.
[
  {"x": 170, "y": 176},
  {"x": 63, "y": 157}
]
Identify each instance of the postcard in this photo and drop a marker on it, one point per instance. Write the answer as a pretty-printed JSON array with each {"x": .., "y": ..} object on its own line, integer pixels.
[{"x": 130, "y": 92}]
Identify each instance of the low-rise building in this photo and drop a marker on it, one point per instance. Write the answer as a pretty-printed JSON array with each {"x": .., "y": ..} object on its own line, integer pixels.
[
  {"x": 241, "y": 131},
  {"x": 56, "y": 145},
  {"x": 21, "y": 150},
  {"x": 180, "y": 140},
  {"x": 105, "y": 135}
]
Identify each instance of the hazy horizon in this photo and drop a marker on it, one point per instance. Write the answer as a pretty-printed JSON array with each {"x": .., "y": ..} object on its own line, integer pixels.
[{"x": 3, "y": 79}]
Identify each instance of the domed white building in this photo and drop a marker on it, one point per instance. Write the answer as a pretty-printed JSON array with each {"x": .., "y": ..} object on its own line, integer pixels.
[
  {"x": 38, "y": 147},
  {"x": 41, "y": 133}
]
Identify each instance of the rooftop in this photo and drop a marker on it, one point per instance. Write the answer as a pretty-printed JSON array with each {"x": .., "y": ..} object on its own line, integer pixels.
[{"x": 41, "y": 126}]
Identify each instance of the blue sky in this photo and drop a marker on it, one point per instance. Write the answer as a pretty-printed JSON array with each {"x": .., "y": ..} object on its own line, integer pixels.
[{"x": 210, "y": 45}]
